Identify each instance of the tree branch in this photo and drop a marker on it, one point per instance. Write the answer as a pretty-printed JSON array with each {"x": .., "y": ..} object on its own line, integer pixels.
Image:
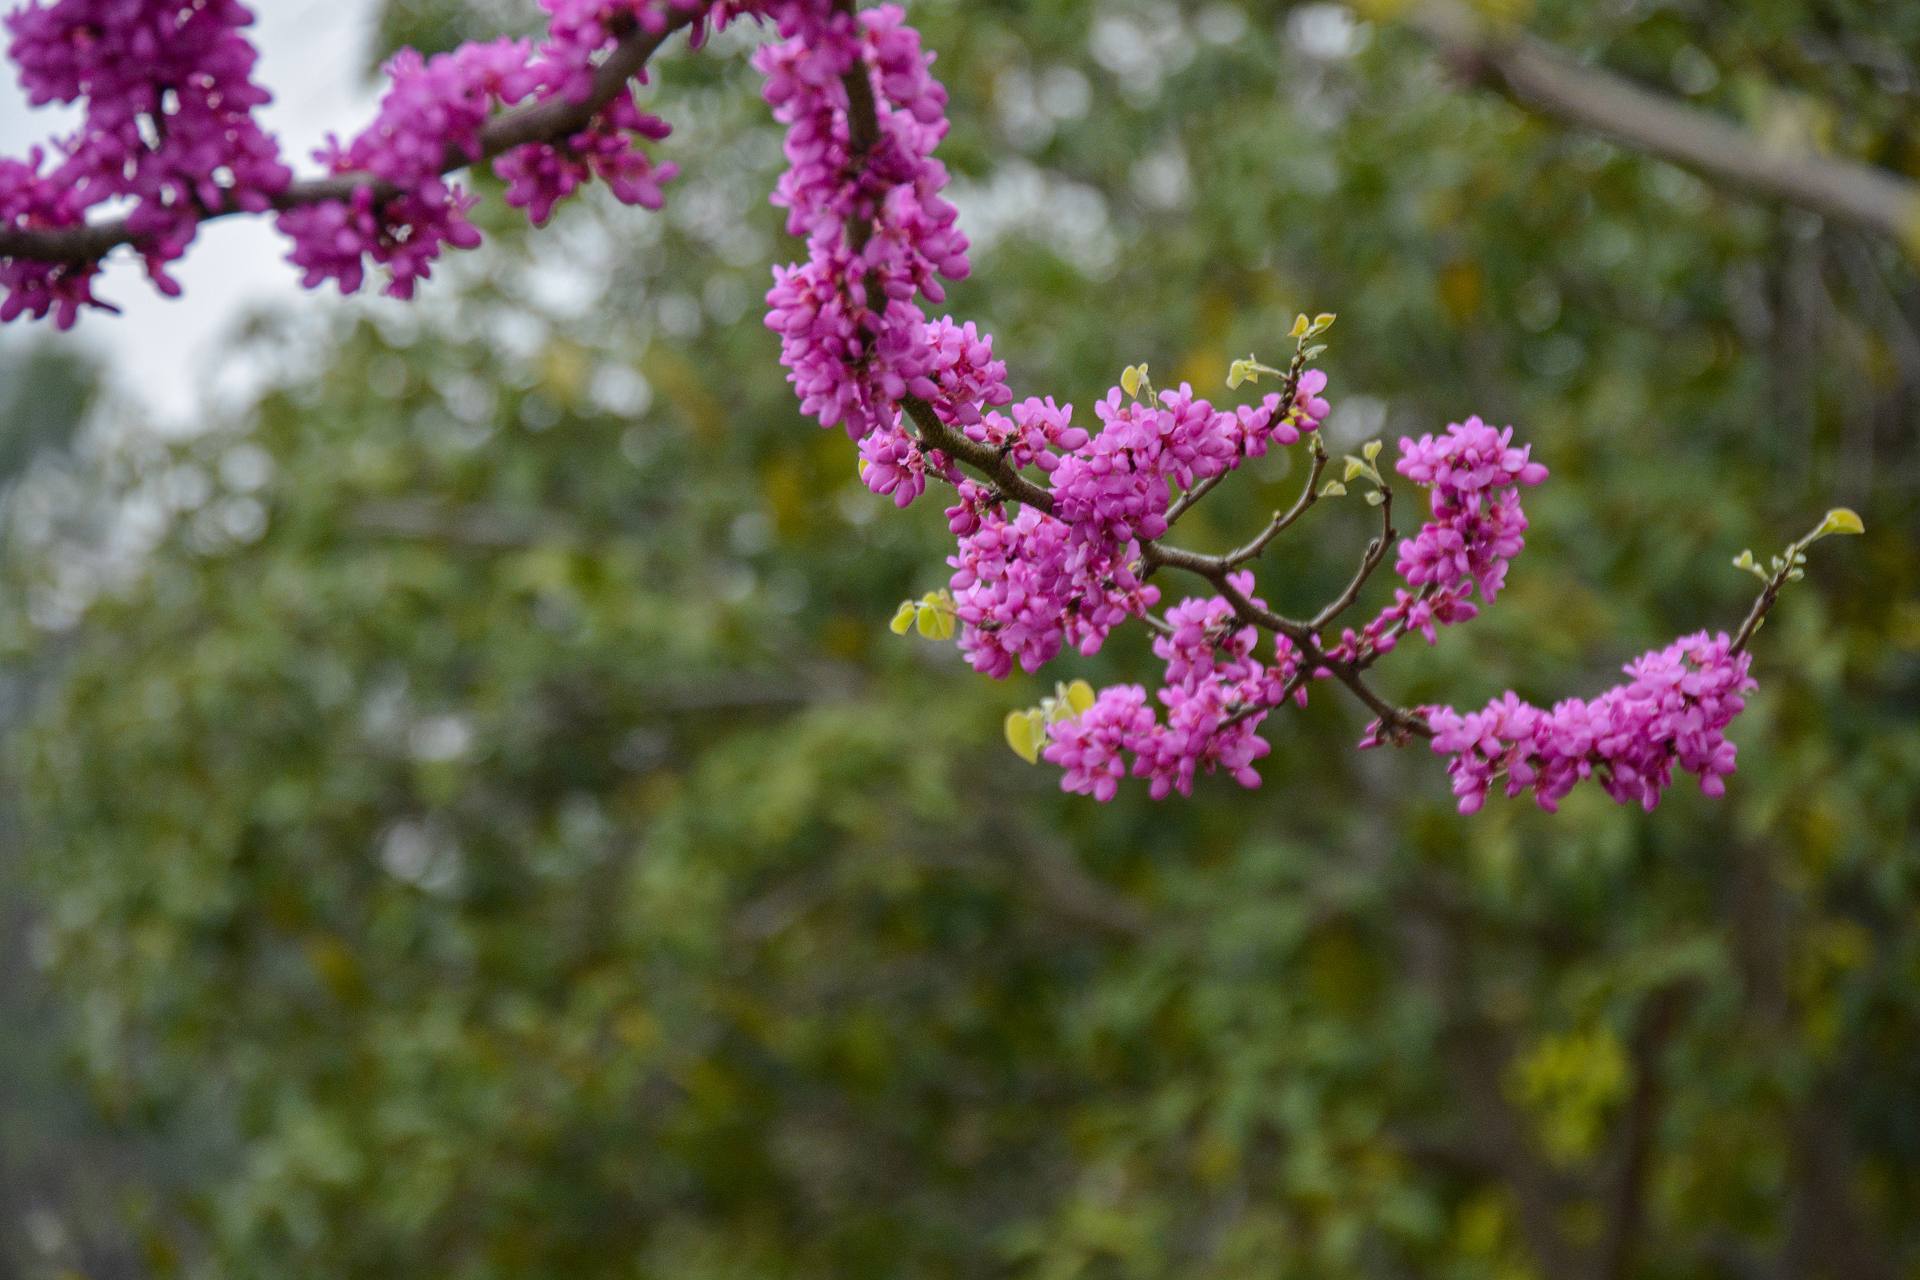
[
  {"x": 1282, "y": 520},
  {"x": 1550, "y": 82},
  {"x": 990, "y": 462},
  {"x": 1216, "y": 570},
  {"x": 548, "y": 121},
  {"x": 1375, "y": 553}
]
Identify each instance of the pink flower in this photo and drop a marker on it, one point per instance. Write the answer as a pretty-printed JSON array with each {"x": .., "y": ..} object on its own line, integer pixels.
[
  {"x": 853, "y": 338},
  {"x": 434, "y": 116},
  {"x": 1673, "y": 712},
  {"x": 1474, "y": 473},
  {"x": 1217, "y": 692},
  {"x": 167, "y": 125}
]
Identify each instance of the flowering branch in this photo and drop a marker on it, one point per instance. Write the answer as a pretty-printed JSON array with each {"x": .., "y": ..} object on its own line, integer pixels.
[
  {"x": 168, "y": 125},
  {"x": 1376, "y": 553},
  {"x": 1059, "y": 531},
  {"x": 551, "y": 121},
  {"x": 1282, "y": 520},
  {"x": 1008, "y": 484},
  {"x": 1788, "y": 566}
]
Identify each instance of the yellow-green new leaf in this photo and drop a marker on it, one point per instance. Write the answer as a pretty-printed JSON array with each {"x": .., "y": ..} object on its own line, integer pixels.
[
  {"x": 1840, "y": 520},
  {"x": 902, "y": 618},
  {"x": 1079, "y": 696},
  {"x": 934, "y": 619},
  {"x": 1026, "y": 732}
]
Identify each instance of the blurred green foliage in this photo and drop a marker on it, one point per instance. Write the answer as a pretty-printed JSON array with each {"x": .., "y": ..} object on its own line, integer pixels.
[{"x": 493, "y": 833}]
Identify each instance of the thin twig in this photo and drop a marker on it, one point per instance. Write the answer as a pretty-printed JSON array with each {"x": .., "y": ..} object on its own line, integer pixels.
[
  {"x": 1216, "y": 571},
  {"x": 1253, "y": 709},
  {"x": 1283, "y": 520},
  {"x": 1191, "y": 498},
  {"x": 1762, "y": 606},
  {"x": 1376, "y": 552},
  {"x": 1371, "y": 652},
  {"x": 1790, "y": 563},
  {"x": 1289, "y": 389}
]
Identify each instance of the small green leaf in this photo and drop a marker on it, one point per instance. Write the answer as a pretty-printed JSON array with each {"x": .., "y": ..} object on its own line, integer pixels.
[
  {"x": 1375, "y": 498},
  {"x": 1025, "y": 734},
  {"x": 1839, "y": 520},
  {"x": 902, "y": 618},
  {"x": 1322, "y": 323},
  {"x": 1300, "y": 327},
  {"x": 1131, "y": 377},
  {"x": 1237, "y": 373},
  {"x": 1370, "y": 450},
  {"x": 1314, "y": 352},
  {"x": 1355, "y": 468},
  {"x": 1333, "y": 489},
  {"x": 1079, "y": 696},
  {"x": 934, "y": 616}
]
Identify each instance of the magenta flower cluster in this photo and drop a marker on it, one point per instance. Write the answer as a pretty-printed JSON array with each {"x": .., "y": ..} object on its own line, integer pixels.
[
  {"x": 169, "y": 128},
  {"x": 1474, "y": 474},
  {"x": 1216, "y": 693},
  {"x": 1028, "y": 584},
  {"x": 878, "y": 231},
  {"x": 433, "y": 118},
  {"x": 881, "y": 237},
  {"x": 167, "y": 125},
  {"x": 1672, "y": 712}
]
